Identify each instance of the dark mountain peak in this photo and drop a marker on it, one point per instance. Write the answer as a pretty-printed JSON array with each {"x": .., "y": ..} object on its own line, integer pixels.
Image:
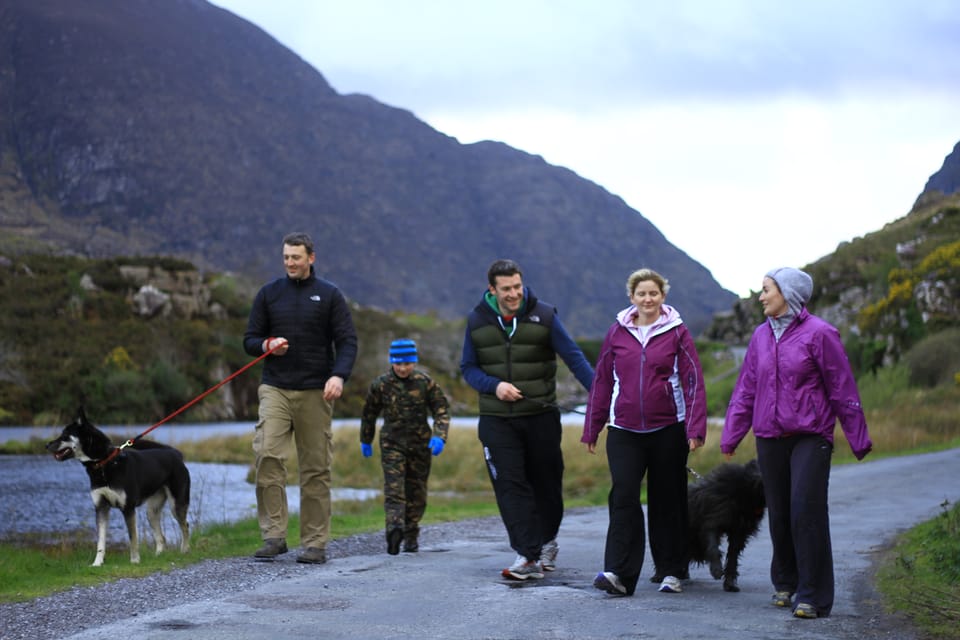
[{"x": 947, "y": 180}]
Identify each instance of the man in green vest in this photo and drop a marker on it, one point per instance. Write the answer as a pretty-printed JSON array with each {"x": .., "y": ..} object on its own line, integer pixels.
[{"x": 510, "y": 357}]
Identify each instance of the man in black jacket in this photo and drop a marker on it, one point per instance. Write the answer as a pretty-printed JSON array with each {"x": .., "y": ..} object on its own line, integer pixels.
[
  {"x": 510, "y": 357},
  {"x": 305, "y": 323}
]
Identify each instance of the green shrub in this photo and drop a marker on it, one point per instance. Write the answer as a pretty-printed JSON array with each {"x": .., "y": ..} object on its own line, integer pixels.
[
  {"x": 117, "y": 395},
  {"x": 170, "y": 386},
  {"x": 884, "y": 387},
  {"x": 935, "y": 360}
]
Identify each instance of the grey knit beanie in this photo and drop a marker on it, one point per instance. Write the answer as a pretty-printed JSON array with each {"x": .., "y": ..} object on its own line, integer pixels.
[{"x": 795, "y": 285}]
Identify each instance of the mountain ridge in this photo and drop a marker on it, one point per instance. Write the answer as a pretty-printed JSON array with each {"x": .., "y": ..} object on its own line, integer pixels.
[{"x": 127, "y": 128}]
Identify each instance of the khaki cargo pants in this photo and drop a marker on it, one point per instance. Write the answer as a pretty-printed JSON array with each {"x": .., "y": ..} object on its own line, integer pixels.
[{"x": 304, "y": 418}]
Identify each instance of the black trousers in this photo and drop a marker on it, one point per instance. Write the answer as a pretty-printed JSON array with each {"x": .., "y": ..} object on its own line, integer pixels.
[
  {"x": 525, "y": 465},
  {"x": 796, "y": 478},
  {"x": 631, "y": 455}
]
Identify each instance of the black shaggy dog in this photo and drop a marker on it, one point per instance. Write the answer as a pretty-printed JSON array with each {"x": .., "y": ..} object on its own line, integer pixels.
[
  {"x": 146, "y": 473},
  {"x": 729, "y": 502}
]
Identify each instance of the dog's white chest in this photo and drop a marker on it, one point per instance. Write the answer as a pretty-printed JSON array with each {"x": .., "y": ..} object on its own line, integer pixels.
[{"x": 112, "y": 497}]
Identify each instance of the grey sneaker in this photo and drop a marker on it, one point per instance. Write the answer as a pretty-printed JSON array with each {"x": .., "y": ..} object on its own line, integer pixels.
[
  {"x": 523, "y": 569},
  {"x": 670, "y": 584},
  {"x": 313, "y": 555},
  {"x": 272, "y": 547},
  {"x": 805, "y": 610},
  {"x": 781, "y": 599},
  {"x": 548, "y": 555},
  {"x": 609, "y": 582}
]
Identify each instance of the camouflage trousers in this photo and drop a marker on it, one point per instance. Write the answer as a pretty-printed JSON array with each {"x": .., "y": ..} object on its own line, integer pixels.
[{"x": 405, "y": 473}]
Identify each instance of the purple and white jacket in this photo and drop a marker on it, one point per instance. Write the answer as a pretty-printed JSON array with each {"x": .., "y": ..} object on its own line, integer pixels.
[{"x": 646, "y": 382}]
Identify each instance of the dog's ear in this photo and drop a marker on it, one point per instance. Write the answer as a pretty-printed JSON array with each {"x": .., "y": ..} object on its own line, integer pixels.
[{"x": 82, "y": 415}]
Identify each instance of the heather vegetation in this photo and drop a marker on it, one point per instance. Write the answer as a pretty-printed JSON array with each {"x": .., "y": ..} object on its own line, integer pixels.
[{"x": 70, "y": 334}]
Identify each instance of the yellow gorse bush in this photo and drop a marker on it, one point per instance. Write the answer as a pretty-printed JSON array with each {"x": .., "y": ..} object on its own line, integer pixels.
[{"x": 942, "y": 263}]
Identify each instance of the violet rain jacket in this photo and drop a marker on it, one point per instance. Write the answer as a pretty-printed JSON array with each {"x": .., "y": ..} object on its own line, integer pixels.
[{"x": 800, "y": 385}]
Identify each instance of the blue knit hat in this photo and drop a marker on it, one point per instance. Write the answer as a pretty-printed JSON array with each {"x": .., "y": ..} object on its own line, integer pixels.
[{"x": 403, "y": 351}]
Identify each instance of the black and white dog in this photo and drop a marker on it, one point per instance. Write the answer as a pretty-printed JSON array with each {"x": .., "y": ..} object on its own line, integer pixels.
[
  {"x": 727, "y": 502},
  {"x": 146, "y": 473}
]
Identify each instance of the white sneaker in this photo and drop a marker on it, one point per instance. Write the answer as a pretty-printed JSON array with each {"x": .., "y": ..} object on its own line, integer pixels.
[
  {"x": 670, "y": 585},
  {"x": 609, "y": 582},
  {"x": 548, "y": 555},
  {"x": 522, "y": 569}
]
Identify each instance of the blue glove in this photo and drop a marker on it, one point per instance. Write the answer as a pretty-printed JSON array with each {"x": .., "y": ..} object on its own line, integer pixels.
[
  {"x": 436, "y": 445},
  {"x": 366, "y": 449}
]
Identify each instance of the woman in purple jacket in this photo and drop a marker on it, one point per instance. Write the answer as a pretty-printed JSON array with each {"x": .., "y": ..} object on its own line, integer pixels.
[
  {"x": 794, "y": 385},
  {"x": 649, "y": 374}
]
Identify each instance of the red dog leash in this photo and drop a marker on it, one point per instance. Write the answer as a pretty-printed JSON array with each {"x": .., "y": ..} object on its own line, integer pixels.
[{"x": 129, "y": 443}]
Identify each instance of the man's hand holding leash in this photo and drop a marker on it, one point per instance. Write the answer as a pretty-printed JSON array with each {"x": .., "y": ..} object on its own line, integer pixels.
[{"x": 275, "y": 346}]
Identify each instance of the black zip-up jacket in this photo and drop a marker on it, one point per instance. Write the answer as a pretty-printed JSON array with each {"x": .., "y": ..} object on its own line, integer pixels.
[{"x": 314, "y": 317}]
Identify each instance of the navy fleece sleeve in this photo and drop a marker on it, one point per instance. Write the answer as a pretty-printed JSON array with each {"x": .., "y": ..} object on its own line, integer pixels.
[{"x": 570, "y": 353}]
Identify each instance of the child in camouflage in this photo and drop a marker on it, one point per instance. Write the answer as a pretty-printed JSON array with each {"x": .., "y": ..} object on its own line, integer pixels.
[{"x": 404, "y": 395}]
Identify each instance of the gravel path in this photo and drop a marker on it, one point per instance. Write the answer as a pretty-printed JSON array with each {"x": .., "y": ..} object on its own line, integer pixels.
[
  {"x": 66, "y": 613},
  {"x": 63, "y": 614}
]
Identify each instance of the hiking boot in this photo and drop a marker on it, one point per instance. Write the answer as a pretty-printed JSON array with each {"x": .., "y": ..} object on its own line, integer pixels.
[
  {"x": 410, "y": 544},
  {"x": 609, "y": 582},
  {"x": 781, "y": 599},
  {"x": 804, "y": 610},
  {"x": 272, "y": 547},
  {"x": 522, "y": 569},
  {"x": 548, "y": 555},
  {"x": 394, "y": 537},
  {"x": 313, "y": 555},
  {"x": 670, "y": 584}
]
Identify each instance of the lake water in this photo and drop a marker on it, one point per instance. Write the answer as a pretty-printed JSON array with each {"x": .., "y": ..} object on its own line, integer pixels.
[
  {"x": 166, "y": 433},
  {"x": 175, "y": 433},
  {"x": 44, "y": 498}
]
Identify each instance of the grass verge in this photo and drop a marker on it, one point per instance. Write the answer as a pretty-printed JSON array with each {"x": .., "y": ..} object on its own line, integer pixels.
[
  {"x": 34, "y": 570},
  {"x": 920, "y": 576}
]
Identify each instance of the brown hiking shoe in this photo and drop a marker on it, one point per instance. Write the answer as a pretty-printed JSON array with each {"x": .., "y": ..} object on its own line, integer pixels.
[
  {"x": 272, "y": 547},
  {"x": 313, "y": 555}
]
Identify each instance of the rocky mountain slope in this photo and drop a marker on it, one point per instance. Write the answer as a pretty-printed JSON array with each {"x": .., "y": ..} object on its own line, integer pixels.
[
  {"x": 886, "y": 291},
  {"x": 135, "y": 127}
]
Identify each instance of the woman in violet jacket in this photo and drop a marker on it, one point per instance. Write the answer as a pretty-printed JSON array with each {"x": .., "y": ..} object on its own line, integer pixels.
[
  {"x": 794, "y": 385},
  {"x": 648, "y": 387}
]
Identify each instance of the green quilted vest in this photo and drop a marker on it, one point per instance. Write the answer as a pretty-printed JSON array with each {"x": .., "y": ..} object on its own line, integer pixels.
[{"x": 527, "y": 360}]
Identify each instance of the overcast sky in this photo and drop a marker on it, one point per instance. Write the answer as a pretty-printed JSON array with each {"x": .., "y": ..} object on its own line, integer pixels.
[{"x": 752, "y": 133}]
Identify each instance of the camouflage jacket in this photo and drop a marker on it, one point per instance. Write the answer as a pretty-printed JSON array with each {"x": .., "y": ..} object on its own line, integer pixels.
[{"x": 405, "y": 404}]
